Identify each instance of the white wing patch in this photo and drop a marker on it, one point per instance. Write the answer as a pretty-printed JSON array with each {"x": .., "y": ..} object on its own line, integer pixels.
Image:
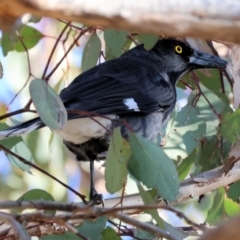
[{"x": 131, "y": 104}]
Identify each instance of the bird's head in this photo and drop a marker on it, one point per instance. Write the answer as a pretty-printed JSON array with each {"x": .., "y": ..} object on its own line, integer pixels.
[{"x": 177, "y": 58}]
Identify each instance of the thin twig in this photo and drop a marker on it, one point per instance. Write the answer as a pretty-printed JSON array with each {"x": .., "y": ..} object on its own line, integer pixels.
[{"x": 43, "y": 171}]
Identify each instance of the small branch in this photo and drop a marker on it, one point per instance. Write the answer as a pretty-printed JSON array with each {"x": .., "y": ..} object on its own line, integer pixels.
[
  {"x": 16, "y": 112},
  {"x": 143, "y": 225},
  {"x": 42, "y": 171}
]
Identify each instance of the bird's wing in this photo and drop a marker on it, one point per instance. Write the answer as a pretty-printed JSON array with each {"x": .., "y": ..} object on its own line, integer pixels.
[{"x": 120, "y": 86}]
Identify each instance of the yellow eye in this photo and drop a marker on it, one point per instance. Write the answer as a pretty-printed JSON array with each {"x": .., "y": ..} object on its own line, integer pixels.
[{"x": 178, "y": 49}]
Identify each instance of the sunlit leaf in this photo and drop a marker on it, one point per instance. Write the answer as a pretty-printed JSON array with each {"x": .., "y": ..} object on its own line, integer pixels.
[
  {"x": 115, "y": 41},
  {"x": 91, "y": 52},
  {"x": 48, "y": 104},
  {"x": 117, "y": 158},
  {"x": 109, "y": 234},
  {"x": 149, "y": 40},
  {"x": 231, "y": 208},
  {"x": 150, "y": 165},
  {"x": 29, "y": 35},
  {"x": 194, "y": 122}
]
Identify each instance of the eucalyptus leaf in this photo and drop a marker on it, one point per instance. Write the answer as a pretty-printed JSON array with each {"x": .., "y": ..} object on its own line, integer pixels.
[
  {"x": 115, "y": 42},
  {"x": 48, "y": 104},
  {"x": 22, "y": 150},
  {"x": 230, "y": 128},
  {"x": 216, "y": 212},
  {"x": 29, "y": 35},
  {"x": 116, "y": 162},
  {"x": 150, "y": 165},
  {"x": 91, "y": 52},
  {"x": 149, "y": 40},
  {"x": 109, "y": 234},
  {"x": 232, "y": 208},
  {"x": 234, "y": 191},
  {"x": 37, "y": 194}
]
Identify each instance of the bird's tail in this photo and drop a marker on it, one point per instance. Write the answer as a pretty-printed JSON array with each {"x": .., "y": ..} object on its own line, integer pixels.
[{"x": 23, "y": 128}]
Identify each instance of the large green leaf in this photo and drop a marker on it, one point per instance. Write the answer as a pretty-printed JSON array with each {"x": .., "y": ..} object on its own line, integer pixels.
[
  {"x": 150, "y": 165},
  {"x": 149, "y": 40},
  {"x": 48, "y": 104},
  {"x": 117, "y": 158},
  {"x": 37, "y": 194},
  {"x": 9, "y": 142},
  {"x": 91, "y": 52},
  {"x": 115, "y": 41},
  {"x": 29, "y": 35}
]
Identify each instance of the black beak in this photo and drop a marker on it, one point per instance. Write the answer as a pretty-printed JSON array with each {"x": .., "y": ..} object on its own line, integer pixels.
[{"x": 204, "y": 60}]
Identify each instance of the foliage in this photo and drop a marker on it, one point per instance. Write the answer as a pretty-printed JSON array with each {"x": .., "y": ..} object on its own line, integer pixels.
[{"x": 198, "y": 138}]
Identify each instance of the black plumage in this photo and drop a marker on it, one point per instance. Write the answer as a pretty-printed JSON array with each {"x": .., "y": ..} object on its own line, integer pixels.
[{"x": 138, "y": 88}]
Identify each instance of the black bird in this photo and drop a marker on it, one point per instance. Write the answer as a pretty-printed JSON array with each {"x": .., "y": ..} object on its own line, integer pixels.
[{"x": 138, "y": 87}]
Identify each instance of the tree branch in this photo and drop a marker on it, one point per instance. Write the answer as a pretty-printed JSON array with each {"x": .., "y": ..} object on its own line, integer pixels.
[{"x": 199, "y": 18}]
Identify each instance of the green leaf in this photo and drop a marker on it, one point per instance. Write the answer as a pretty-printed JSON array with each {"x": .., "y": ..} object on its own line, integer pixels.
[
  {"x": 117, "y": 158},
  {"x": 149, "y": 40},
  {"x": 37, "y": 194},
  {"x": 210, "y": 154},
  {"x": 186, "y": 165},
  {"x": 234, "y": 191},
  {"x": 109, "y": 234},
  {"x": 115, "y": 41},
  {"x": 23, "y": 151},
  {"x": 195, "y": 121},
  {"x": 29, "y": 35},
  {"x": 48, "y": 104},
  {"x": 9, "y": 142},
  {"x": 142, "y": 234},
  {"x": 230, "y": 128},
  {"x": 215, "y": 214},
  {"x": 231, "y": 208},
  {"x": 151, "y": 166},
  {"x": 148, "y": 200},
  {"x": 91, "y": 52}
]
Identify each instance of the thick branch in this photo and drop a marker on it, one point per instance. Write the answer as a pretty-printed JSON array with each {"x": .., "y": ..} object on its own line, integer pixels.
[
  {"x": 189, "y": 188},
  {"x": 200, "y": 18}
]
